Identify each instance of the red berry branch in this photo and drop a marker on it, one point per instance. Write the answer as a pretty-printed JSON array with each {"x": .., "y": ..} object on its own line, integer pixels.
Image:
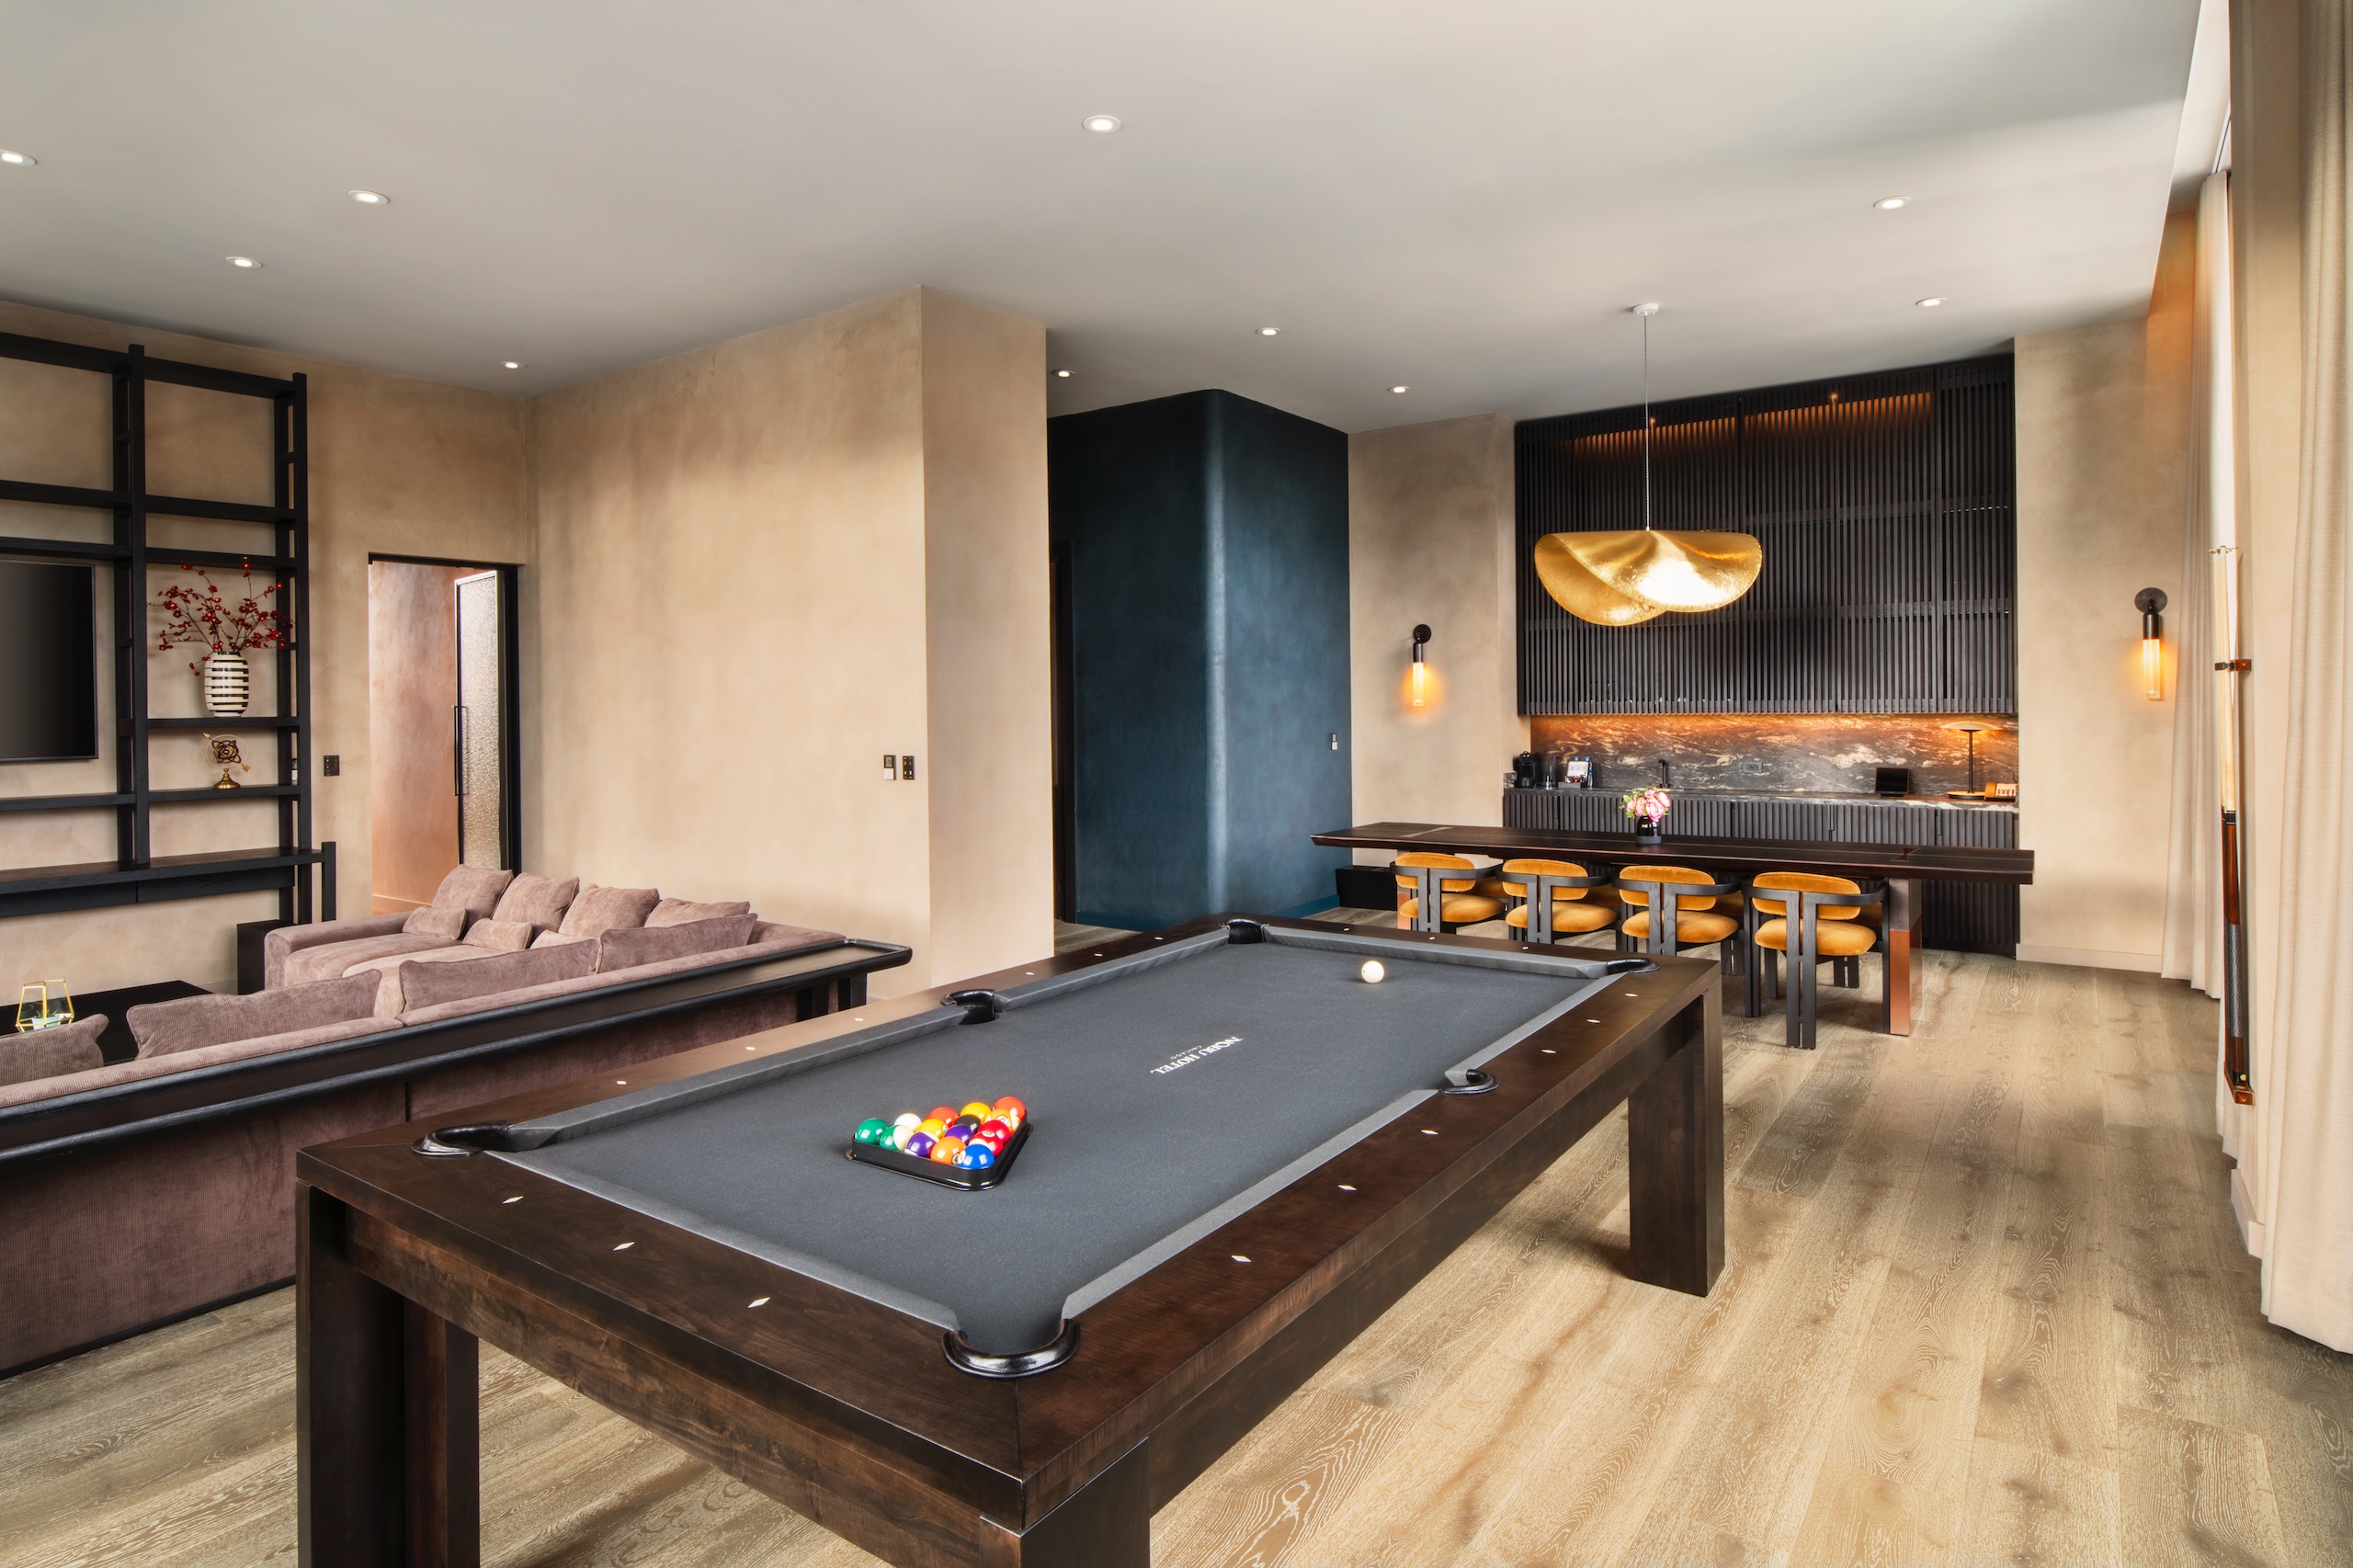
[{"x": 208, "y": 616}]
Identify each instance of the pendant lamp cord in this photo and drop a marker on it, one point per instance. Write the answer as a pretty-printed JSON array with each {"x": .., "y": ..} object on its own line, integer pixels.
[{"x": 1646, "y": 423}]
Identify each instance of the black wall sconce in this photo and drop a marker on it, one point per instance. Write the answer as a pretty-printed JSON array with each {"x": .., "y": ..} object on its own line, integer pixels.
[
  {"x": 2151, "y": 602},
  {"x": 1421, "y": 684}
]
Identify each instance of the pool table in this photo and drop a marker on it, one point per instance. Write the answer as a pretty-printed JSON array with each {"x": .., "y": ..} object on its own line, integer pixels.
[{"x": 1239, "y": 1151}]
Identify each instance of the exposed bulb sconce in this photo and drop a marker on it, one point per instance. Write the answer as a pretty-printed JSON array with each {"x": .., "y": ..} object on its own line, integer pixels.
[
  {"x": 1421, "y": 683},
  {"x": 2151, "y": 602}
]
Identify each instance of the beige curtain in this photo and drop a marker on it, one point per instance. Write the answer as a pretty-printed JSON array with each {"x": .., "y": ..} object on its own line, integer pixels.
[
  {"x": 2303, "y": 1071},
  {"x": 2193, "y": 943}
]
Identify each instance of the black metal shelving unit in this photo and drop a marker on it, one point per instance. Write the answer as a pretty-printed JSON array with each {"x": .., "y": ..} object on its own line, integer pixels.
[{"x": 137, "y": 875}]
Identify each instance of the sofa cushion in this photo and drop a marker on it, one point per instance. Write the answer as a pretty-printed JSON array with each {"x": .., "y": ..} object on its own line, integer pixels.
[
  {"x": 162, "y": 1028},
  {"x": 556, "y": 939},
  {"x": 474, "y": 890},
  {"x": 685, "y": 912},
  {"x": 652, "y": 944},
  {"x": 51, "y": 1053},
  {"x": 300, "y": 961},
  {"x": 598, "y": 910},
  {"x": 499, "y": 935},
  {"x": 447, "y": 925},
  {"x": 429, "y": 984},
  {"x": 540, "y": 901}
]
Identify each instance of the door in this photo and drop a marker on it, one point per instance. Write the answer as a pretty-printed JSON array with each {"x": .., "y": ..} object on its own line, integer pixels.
[{"x": 478, "y": 723}]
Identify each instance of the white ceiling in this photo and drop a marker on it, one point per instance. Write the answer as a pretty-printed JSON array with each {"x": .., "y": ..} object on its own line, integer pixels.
[{"x": 1463, "y": 198}]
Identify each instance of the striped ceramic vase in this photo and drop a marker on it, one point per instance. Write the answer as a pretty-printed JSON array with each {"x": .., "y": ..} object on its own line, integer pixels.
[{"x": 228, "y": 685}]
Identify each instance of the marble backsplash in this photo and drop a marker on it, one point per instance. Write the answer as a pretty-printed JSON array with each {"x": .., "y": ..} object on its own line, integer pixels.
[{"x": 1828, "y": 753}]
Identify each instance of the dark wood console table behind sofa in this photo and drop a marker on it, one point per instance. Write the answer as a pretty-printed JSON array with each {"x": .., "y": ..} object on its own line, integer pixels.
[{"x": 125, "y": 1207}]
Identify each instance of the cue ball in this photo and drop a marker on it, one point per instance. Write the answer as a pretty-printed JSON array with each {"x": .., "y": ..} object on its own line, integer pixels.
[{"x": 1372, "y": 971}]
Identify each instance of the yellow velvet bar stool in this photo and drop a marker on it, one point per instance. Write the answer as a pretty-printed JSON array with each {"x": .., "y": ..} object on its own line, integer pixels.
[
  {"x": 1550, "y": 899},
  {"x": 1440, "y": 903},
  {"x": 1815, "y": 919},
  {"x": 1696, "y": 922}
]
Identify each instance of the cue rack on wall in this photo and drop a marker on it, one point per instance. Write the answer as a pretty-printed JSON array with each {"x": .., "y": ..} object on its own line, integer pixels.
[
  {"x": 1885, "y": 503},
  {"x": 137, "y": 875}
]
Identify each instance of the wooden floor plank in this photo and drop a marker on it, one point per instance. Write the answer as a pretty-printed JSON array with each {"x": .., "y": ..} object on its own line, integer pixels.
[
  {"x": 2049, "y": 1382},
  {"x": 2033, "y": 1171},
  {"x": 1744, "y": 1482},
  {"x": 1895, "y": 1485},
  {"x": 2178, "y": 1350},
  {"x": 2191, "y": 1493},
  {"x": 2028, "y": 1508}
]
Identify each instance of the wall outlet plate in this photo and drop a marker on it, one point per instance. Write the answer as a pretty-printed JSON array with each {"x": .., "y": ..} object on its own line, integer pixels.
[{"x": 331, "y": 764}]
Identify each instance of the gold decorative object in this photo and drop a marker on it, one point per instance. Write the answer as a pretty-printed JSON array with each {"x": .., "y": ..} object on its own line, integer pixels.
[
  {"x": 1623, "y": 577},
  {"x": 38, "y": 1008},
  {"x": 225, "y": 753}
]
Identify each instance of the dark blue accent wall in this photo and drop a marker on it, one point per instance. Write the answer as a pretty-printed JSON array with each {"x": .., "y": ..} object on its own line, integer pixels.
[{"x": 1206, "y": 543}]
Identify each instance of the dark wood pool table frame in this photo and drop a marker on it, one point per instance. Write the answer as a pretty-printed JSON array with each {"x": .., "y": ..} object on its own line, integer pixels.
[{"x": 846, "y": 1410}]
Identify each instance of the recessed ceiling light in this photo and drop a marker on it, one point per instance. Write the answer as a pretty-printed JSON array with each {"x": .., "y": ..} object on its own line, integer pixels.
[
  {"x": 1101, "y": 124},
  {"x": 371, "y": 198},
  {"x": 1890, "y": 203},
  {"x": 22, "y": 160},
  {"x": 1268, "y": 331},
  {"x": 1400, "y": 389},
  {"x": 1930, "y": 303},
  {"x": 246, "y": 262},
  {"x": 1064, "y": 374},
  {"x": 512, "y": 364}
]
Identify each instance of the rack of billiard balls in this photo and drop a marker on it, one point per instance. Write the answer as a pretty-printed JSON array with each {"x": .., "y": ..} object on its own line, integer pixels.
[{"x": 967, "y": 1149}]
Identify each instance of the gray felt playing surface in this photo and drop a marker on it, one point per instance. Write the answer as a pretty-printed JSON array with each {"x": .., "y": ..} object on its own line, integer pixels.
[{"x": 1165, "y": 1093}]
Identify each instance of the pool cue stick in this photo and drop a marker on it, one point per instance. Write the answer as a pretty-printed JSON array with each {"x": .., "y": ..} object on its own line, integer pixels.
[{"x": 2228, "y": 669}]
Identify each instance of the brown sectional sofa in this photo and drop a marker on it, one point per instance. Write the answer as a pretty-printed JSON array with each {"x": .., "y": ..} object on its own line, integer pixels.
[{"x": 135, "y": 1193}]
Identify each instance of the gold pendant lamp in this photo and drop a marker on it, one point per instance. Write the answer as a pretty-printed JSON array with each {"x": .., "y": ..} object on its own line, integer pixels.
[{"x": 1626, "y": 576}]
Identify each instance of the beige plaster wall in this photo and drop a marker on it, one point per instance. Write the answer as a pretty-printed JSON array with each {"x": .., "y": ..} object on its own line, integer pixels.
[
  {"x": 1430, "y": 543},
  {"x": 2102, "y": 425},
  {"x": 990, "y": 784},
  {"x": 731, "y": 620},
  {"x": 397, "y": 466}
]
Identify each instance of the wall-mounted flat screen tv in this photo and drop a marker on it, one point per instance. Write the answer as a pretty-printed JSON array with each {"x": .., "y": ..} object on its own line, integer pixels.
[{"x": 48, "y": 662}]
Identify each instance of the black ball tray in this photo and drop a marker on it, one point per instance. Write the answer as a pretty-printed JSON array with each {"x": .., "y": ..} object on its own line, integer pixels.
[{"x": 931, "y": 1170}]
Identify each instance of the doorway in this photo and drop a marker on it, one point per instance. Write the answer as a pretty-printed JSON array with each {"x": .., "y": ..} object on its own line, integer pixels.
[{"x": 442, "y": 731}]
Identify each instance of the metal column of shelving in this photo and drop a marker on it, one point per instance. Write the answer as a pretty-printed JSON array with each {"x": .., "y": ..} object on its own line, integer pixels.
[{"x": 137, "y": 874}]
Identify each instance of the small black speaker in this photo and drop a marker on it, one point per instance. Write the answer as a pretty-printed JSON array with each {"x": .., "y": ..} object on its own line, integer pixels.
[{"x": 1894, "y": 781}]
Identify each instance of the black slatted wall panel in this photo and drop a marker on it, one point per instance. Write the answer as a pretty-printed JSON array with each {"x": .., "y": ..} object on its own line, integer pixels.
[{"x": 1884, "y": 503}]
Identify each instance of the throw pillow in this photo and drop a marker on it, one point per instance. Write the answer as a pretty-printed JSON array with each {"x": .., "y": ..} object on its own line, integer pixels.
[
  {"x": 685, "y": 912},
  {"x": 446, "y": 924},
  {"x": 654, "y": 943},
  {"x": 430, "y": 984},
  {"x": 162, "y": 1028},
  {"x": 52, "y": 1052},
  {"x": 473, "y": 889},
  {"x": 499, "y": 935},
  {"x": 538, "y": 901},
  {"x": 599, "y": 910}
]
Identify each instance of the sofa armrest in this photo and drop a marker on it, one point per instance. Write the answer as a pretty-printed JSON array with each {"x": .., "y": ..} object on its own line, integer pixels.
[{"x": 276, "y": 945}]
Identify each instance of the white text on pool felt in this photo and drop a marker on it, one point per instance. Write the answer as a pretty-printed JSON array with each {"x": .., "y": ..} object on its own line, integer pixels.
[{"x": 1186, "y": 1059}]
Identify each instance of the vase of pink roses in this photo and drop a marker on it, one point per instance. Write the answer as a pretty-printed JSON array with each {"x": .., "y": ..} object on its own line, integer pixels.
[{"x": 1649, "y": 809}]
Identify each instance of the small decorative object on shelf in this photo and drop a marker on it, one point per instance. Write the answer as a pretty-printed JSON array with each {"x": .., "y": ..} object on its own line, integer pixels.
[
  {"x": 43, "y": 1005},
  {"x": 225, "y": 627},
  {"x": 225, "y": 753},
  {"x": 1649, "y": 809}
]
